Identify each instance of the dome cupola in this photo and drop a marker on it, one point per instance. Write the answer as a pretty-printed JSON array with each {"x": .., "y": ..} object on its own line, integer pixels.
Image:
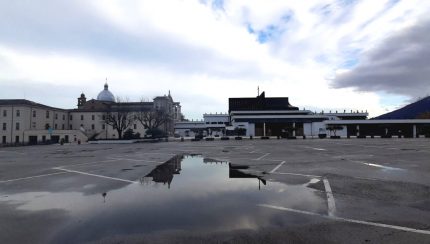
[{"x": 106, "y": 95}]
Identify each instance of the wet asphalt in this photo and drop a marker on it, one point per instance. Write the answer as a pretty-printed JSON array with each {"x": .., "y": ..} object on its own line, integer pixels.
[{"x": 380, "y": 192}]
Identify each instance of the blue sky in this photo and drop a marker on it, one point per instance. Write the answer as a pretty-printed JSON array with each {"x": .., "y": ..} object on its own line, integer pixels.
[{"x": 322, "y": 54}]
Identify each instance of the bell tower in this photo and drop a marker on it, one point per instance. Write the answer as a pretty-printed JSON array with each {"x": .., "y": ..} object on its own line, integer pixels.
[{"x": 81, "y": 100}]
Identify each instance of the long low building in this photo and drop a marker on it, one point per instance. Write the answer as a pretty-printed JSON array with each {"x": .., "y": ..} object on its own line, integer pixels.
[
  {"x": 410, "y": 128},
  {"x": 275, "y": 116}
]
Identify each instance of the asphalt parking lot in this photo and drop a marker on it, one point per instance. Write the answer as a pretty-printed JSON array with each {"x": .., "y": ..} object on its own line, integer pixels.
[{"x": 337, "y": 191}]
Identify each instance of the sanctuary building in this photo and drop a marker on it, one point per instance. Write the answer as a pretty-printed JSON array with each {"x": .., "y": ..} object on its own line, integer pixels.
[{"x": 24, "y": 121}]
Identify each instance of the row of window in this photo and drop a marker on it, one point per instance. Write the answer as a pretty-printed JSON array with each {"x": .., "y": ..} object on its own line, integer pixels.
[
  {"x": 18, "y": 113},
  {"x": 3, "y": 140},
  {"x": 17, "y": 126},
  {"x": 214, "y": 123},
  {"x": 34, "y": 113},
  {"x": 47, "y": 126},
  {"x": 93, "y": 117}
]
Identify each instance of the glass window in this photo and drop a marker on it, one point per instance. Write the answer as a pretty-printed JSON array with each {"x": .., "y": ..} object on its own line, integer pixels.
[
  {"x": 93, "y": 117},
  {"x": 17, "y": 126},
  {"x": 82, "y": 117},
  {"x": 64, "y": 117},
  {"x": 93, "y": 127},
  {"x": 71, "y": 117},
  {"x": 56, "y": 116},
  {"x": 4, "y": 126},
  {"x": 4, "y": 113},
  {"x": 47, "y": 114},
  {"x": 34, "y": 113},
  {"x": 18, "y": 113}
]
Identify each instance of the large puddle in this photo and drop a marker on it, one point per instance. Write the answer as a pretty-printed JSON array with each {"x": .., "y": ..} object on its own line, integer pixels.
[{"x": 188, "y": 193}]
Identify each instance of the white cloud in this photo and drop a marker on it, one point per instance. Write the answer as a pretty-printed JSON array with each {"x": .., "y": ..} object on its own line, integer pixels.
[{"x": 202, "y": 54}]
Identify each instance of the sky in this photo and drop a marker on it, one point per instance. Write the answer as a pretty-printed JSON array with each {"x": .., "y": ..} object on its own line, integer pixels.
[{"x": 322, "y": 54}]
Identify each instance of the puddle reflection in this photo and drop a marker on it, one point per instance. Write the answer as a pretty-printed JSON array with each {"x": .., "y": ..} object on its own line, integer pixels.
[{"x": 186, "y": 193}]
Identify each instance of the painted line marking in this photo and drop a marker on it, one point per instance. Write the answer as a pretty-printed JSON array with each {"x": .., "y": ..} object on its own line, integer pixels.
[
  {"x": 318, "y": 149},
  {"x": 277, "y": 167},
  {"x": 374, "y": 165},
  {"x": 426, "y": 232},
  {"x": 262, "y": 156},
  {"x": 330, "y": 198},
  {"x": 100, "y": 176},
  {"x": 32, "y": 177},
  {"x": 285, "y": 173}
]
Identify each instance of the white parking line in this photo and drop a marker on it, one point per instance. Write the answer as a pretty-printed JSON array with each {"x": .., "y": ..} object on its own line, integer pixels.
[
  {"x": 330, "y": 198},
  {"x": 262, "y": 156},
  {"x": 100, "y": 176},
  {"x": 277, "y": 167},
  {"x": 426, "y": 232},
  {"x": 318, "y": 149},
  {"x": 374, "y": 165},
  {"x": 32, "y": 177}
]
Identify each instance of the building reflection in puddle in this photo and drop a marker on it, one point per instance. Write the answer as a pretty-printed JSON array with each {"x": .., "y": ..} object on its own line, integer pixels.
[{"x": 165, "y": 172}]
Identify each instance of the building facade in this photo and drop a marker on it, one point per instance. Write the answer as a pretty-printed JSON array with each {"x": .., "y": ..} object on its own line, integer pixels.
[
  {"x": 274, "y": 116},
  {"x": 24, "y": 121}
]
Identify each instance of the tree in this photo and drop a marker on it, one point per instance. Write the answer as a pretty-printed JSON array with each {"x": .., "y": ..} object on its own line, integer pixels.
[
  {"x": 334, "y": 128},
  {"x": 152, "y": 118},
  {"x": 119, "y": 117},
  {"x": 155, "y": 133},
  {"x": 130, "y": 134}
]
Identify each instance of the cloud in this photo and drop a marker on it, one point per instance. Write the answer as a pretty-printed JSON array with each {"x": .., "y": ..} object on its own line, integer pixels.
[
  {"x": 397, "y": 65},
  {"x": 203, "y": 51}
]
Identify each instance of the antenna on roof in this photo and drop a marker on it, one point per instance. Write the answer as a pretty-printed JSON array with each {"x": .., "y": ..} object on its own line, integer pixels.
[{"x": 258, "y": 91}]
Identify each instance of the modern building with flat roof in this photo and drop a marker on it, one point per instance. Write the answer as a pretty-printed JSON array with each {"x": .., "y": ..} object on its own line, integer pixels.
[{"x": 275, "y": 116}]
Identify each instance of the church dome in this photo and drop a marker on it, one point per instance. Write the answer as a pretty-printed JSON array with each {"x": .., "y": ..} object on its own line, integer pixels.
[{"x": 106, "y": 95}]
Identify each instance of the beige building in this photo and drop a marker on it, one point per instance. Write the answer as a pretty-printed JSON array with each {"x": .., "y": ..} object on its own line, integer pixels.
[{"x": 24, "y": 121}]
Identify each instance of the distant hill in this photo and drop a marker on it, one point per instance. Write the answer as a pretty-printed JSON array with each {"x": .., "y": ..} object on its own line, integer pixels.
[{"x": 416, "y": 110}]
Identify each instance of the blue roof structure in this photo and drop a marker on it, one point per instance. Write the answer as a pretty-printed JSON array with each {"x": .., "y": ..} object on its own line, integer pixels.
[{"x": 411, "y": 111}]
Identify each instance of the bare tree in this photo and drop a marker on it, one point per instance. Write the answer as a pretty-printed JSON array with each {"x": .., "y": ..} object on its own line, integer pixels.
[
  {"x": 119, "y": 116},
  {"x": 152, "y": 118}
]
